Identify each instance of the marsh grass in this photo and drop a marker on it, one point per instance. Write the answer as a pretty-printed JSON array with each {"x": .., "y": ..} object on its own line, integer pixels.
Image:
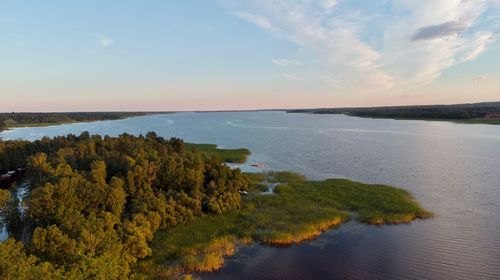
[
  {"x": 228, "y": 155},
  {"x": 299, "y": 210}
]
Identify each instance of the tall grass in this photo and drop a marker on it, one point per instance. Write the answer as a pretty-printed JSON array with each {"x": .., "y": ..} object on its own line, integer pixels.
[
  {"x": 299, "y": 210},
  {"x": 228, "y": 155}
]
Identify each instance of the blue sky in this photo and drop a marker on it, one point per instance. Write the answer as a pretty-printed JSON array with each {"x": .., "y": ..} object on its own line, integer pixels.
[{"x": 223, "y": 54}]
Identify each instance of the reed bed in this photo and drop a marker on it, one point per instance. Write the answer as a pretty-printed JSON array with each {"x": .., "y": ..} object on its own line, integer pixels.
[{"x": 299, "y": 210}]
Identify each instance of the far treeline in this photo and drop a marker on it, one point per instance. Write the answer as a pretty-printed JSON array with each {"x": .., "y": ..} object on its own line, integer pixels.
[
  {"x": 96, "y": 202},
  {"x": 42, "y": 119},
  {"x": 487, "y": 112}
]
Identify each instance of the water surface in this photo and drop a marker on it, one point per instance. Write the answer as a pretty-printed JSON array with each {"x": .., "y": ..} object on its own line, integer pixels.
[{"x": 452, "y": 169}]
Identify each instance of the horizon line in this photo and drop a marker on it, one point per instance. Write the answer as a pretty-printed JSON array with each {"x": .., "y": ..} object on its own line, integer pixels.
[{"x": 242, "y": 110}]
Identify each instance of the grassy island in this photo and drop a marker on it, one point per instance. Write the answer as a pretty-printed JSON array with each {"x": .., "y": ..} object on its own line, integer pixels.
[{"x": 298, "y": 210}]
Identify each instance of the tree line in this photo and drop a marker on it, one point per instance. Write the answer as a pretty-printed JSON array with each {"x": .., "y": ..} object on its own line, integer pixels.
[
  {"x": 449, "y": 112},
  {"x": 42, "y": 118},
  {"x": 95, "y": 202}
]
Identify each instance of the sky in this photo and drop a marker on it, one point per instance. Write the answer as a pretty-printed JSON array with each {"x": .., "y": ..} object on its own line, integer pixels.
[{"x": 157, "y": 55}]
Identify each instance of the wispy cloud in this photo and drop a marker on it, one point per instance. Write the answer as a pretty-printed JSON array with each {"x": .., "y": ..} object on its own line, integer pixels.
[
  {"x": 284, "y": 62},
  {"x": 479, "y": 79},
  {"x": 328, "y": 4},
  {"x": 333, "y": 40},
  {"x": 485, "y": 78},
  {"x": 258, "y": 20},
  {"x": 105, "y": 40},
  {"x": 292, "y": 77},
  {"x": 476, "y": 46},
  {"x": 412, "y": 47},
  {"x": 330, "y": 80}
]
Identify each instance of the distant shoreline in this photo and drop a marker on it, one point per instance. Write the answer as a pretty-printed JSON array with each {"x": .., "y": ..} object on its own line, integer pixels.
[
  {"x": 470, "y": 113},
  {"x": 19, "y": 120},
  {"x": 464, "y": 121},
  {"x": 476, "y": 113}
]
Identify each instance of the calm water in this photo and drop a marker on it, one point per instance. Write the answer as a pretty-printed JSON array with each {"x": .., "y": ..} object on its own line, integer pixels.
[{"x": 452, "y": 169}]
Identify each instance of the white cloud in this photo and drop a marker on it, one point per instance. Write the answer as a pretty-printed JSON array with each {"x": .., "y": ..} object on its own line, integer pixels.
[
  {"x": 284, "y": 62},
  {"x": 332, "y": 40},
  {"x": 477, "y": 45},
  {"x": 328, "y": 5},
  {"x": 420, "y": 38},
  {"x": 454, "y": 40},
  {"x": 105, "y": 40}
]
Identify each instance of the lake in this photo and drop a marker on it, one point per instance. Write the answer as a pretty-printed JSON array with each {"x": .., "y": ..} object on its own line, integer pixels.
[{"x": 452, "y": 169}]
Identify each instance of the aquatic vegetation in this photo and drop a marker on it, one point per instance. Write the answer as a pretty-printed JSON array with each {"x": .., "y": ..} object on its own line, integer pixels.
[
  {"x": 228, "y": 155},
  {"x": 299, "y": 210}
]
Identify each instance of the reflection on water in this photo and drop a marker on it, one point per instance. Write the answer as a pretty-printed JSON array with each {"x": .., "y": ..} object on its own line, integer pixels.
[
  {"x": 452, "y": 169},
  {"x": 3, "y": 229}
]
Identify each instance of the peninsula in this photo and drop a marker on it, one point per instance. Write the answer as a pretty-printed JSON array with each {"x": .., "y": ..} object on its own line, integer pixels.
[{"x": 148, "y": 207}]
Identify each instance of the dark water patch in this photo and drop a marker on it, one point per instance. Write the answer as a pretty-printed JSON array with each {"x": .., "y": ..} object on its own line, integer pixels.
[{"x": 13, "y": 222}]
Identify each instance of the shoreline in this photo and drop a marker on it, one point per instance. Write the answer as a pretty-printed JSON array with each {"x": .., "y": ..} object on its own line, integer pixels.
[
  {"x": 470, "y": 113},
  {"x": 456, "y": 121},
  {"x": 464, "y": 121},
  {"x": 9, "y": 125}
]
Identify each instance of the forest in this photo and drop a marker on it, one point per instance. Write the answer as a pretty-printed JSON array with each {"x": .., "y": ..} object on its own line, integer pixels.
[
  {"x": 41, "y": 119},
  {"x": 489, "y": 112},
  {"x": 96, "y": 202}
]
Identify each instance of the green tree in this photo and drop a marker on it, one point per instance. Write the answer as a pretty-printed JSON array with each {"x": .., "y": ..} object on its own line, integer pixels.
[
  {"x": 3, "y": 126},
  {"x": 38, "y": 167},
  {"x": 4, "y": 198},
  {"x": 116, "y": 197},
  {"x": 95, "y": 203},
  {"x": 53, "y": 245},
  {"x": 16, "y": 264}
]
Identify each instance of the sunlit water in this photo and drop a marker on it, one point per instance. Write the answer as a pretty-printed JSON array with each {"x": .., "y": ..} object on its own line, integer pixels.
[{"x": 452, "y": 169}]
